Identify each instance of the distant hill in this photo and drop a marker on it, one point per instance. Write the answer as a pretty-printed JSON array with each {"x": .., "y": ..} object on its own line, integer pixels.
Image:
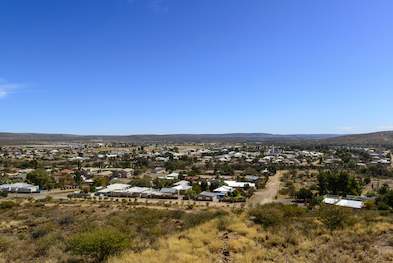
[
  {"x": 38, "y": 138},
  {"x": 376, "y": 138}
]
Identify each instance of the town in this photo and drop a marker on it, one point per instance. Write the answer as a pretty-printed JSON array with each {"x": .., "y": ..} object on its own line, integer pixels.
[{"x": 211, "y": 172}]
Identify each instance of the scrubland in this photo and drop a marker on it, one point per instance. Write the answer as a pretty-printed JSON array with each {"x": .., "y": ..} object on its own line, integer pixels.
[
  {"x": 53, "y": 232},
  {"x": 278, "y": 233}
]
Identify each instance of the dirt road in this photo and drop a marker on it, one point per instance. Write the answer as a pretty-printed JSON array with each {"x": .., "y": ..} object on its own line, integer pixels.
[{"x": 267, "y": 195}]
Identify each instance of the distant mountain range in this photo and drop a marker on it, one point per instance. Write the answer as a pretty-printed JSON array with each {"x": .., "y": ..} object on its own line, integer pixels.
[{"x": 378, "y": 138}]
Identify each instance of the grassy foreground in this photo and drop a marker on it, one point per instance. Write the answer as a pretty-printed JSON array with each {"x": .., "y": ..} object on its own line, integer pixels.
[
  {"x": 278, "y": 233},
  {"x": 88, "y": 232}
]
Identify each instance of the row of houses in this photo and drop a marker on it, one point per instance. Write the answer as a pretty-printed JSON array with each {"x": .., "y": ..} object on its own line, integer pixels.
[
  {"x": 19, "y": 188},
  {"x": 176, "y": 191}
]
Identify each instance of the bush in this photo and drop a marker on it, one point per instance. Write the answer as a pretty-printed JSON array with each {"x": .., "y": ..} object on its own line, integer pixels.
[
  {"x": 334, "y": 217},
  {"x": 267, "y": 215},
  {"x": 7, "y": 204},
  {"x": 41, "y": 231},
  {"x": 98, "y": 243},
  {"x": 4, "y": 245},
  {"x": 193, "y": 219},
  {"x": 304, "y": 194},
  {"x": 3, "y": 194},
  {"x": 369, "y": 204},
  {"x": 66, "y": 220},
  {"x": 41, "y": 178}
]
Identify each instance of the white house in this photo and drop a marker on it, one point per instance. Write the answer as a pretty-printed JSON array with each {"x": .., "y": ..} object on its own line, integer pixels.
[
  {"x": 224, "y": 189},
  {"x": 344, "y": 202},
  {"x": 236, "y": 184},
  {"x": 114, "y": 188},
  {"x": 171, "y": 176},
  {"x": 182, "y": 185}
]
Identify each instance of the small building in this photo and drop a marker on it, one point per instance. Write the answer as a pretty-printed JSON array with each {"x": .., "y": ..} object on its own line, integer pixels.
[
  {"x": 350, "y": 202},
  {"x": 113, "y": 188},
  {"x": 168, "y": 191},
  {"x": 236, "y": 184},
  {"x": 208, "y": 196},
  {"x": 182, "y": 186},
  {"x": 251, "y": 178},
  {"x": 224, "y": 189},
  {"x": 171, "y": 176}
]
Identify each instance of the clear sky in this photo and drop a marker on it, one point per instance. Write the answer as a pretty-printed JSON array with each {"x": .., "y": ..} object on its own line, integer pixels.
[{"x": 196, "y": 66}]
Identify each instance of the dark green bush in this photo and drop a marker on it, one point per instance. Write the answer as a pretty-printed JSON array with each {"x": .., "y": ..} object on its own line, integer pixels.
[
  {"x": 7, "y": 204},
  {"x": 267, "y": 215},
  {"x": 40, "y": 231},
  {"x": 334, "y": 217},
  {"x": 99, "y": 243}
]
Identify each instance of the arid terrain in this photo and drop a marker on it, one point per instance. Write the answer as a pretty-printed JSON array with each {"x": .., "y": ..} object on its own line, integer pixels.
[{"x": 75, "y": 232}]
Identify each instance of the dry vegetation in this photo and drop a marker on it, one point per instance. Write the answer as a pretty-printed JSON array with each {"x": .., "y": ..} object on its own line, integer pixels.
[
  {"x": 53, "y": 232},
  {"x": 278, "y": 234},
  {"x": 34, "y": 232},
  {"x": 294, "y": 179}
]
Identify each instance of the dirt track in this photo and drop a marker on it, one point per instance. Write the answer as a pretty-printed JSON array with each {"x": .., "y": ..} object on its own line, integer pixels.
[{"x": 268, "y": 194}]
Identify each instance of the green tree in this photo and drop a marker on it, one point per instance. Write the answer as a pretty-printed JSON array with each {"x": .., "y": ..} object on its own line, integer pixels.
[
  {"x": 41, "y": 178},
  {"x": 338, "y": 183},
  {"x": 101, "y": 181},
  {"x": 78, "y": 177},
  {"x": 214, "y": 185},
  {"x": 304, "y": 194},
  {"x": 204, "y": 185},
  {"x": 334, "y": 217}
]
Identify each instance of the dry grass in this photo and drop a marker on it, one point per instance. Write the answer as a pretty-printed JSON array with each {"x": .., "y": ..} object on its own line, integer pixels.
[
  {"x": 292, "y": 241},
  {"x": 36, "y": 233},
  {"x": 200, "y": 244}
]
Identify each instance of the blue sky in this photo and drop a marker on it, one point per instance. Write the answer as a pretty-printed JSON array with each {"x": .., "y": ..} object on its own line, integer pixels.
[{"x": 196, "y": 66}]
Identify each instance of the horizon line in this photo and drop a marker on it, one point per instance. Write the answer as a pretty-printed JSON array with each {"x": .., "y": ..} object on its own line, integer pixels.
[{"x": 192, "y": 133}]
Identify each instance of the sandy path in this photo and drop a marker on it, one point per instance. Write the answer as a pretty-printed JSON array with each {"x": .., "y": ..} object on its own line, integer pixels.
[{"x": 267, "y": 195}]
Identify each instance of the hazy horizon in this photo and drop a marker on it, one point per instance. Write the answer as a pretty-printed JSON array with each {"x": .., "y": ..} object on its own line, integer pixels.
[{"x": 189, "y": 133}]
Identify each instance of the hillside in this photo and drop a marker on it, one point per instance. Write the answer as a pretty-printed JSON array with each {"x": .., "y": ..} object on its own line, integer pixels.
[
  {"x": 120, "y": 232},
  {"x": 376, "y": 138},
  {"x": 276, "y": 234}
]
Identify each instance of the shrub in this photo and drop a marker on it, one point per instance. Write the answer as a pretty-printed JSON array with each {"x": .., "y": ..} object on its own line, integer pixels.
[
  {"x": 369, "y": 204},
  {"x": 382, "y": 206},
  {"x": 40, "y": 231},
  {"x": 291, "y": 211},
  {"x": 98, "y": 243},
  {"x": 334, "y": 217},
  {"x": 194, "y": 219},
  {"x": 4, "y": 245},
  {"x": 304, "y": 194},
  {"x": 223, "y": 223},
  {"x": 66, "y": 220},
  {"x": 7, "y": 204},
  {"x": 267, "y": 215}
]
